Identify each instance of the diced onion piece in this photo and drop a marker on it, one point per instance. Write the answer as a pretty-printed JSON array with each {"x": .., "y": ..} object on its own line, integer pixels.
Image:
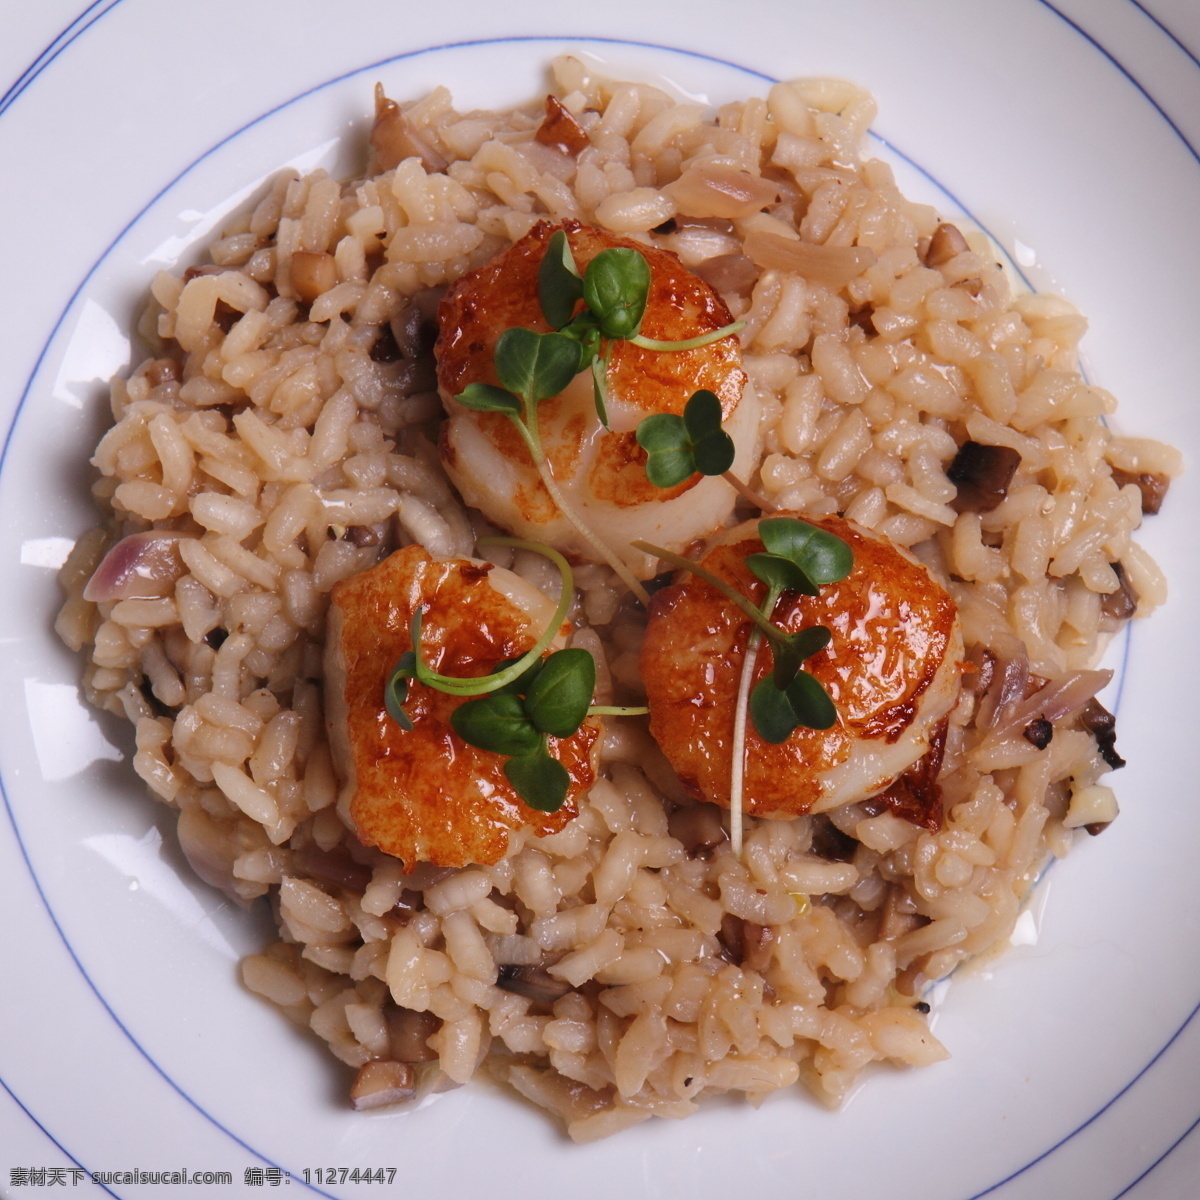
[
  {"x": 313, "y": 272},
  {"x": 380, "y": 1083},
  {"x": 831, "y": 265},
  {"x": 142, "y": 566},
  {"x": 711, "y": 190}
]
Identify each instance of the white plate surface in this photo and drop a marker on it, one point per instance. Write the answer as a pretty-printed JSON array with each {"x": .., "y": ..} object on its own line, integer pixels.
[{"x": 1071, "y": 131}]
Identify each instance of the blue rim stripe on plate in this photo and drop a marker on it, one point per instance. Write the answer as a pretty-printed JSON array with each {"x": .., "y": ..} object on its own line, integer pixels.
[
  {"x": 1124, "y": 70},
  {"x": 602, "y": 40},
  {"x": 116, "y": 1019},
  {"x": 25, "y": 1109},
  {"x": 1160, "y": 1159},
  {"x": 1169, "y": 33},
  {"x": 76, "y": 29}
]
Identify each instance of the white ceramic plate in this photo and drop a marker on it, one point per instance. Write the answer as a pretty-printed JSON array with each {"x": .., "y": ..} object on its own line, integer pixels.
[{"x": 1070, "y": 131}]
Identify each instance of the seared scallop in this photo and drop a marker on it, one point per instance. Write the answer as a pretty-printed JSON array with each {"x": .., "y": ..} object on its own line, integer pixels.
[
  {"x": 425, "y": 795},
  {"x": 600, "y": 471},
  {"x": 892, "y": 669}
]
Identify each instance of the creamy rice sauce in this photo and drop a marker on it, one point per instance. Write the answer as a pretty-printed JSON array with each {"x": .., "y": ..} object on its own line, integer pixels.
[{"x": 281, "y": 436}]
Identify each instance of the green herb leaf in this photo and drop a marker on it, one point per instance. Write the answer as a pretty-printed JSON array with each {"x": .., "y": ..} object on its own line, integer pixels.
[
  {"x": 520, "y": 685},
  {"x": 771, "y": 712},
  {"x": 497, "y": 723},
  {"x": 810, "y": 702},
  {"x": 616, "y": 286},
  {"x": 791, "y": 651},
  {"x": 777, "y": 712},
  {"x": 822, "y": 556},
  {"x": 536, "y": 366},
  {"x": 782, "y": 573},
  {"x": 668, "y": 448},
  {"x": 702, "y": 414},
  {"x": 600, "y": 388},
  {"x": 541, "y": 781},
  {"x": 486, "y": 397},
  {"x": 662, "y": 431},
  {"x": 395, "y": 689},
  {"x": 560, "y": 286},
  {"x": 714, "y": 454},
  {"x": 558, "y": 699}
]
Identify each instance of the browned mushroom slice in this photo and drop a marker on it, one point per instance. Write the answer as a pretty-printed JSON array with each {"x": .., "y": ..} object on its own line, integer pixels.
[
  {"x": 946, "y": 242},
  {"x": 560, "y": 129},
  {"x": 409, "y": 1033},
  {"x": 729, "y": 274},
  {"x": 394, "y": 138},
  {"x": 697, "y": 826},
  {"x": 533, "y": 983},
  {"x": 1121, "y": 604},
  {"x": 1153, "y": 487},
  {"x": 1102, "y": 725},
  {"x": 982, "y": 475}
]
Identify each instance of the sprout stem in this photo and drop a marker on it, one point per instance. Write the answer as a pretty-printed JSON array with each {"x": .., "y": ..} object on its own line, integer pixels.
[
  {"x": 617, "y": 710},
  {"x": 744, "y": 489},
  {"x": 704, "y": 339},
  {"x": 456, "y": 685},
  {"x": 533, "y": 441},
  {"x": 737, "y": 769},
  {"x": 716, "y": 581}
]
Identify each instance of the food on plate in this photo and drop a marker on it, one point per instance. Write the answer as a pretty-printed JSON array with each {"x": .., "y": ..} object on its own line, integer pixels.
[
  {"x": 892, "y": 667},
  {"x": 305, "y": 574},
  {"x": 420, "y": 792},
  {"x": 600, "y": 468}
]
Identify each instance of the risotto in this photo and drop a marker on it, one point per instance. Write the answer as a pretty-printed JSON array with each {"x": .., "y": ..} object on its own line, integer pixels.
[{"x": 643, "y": 948}]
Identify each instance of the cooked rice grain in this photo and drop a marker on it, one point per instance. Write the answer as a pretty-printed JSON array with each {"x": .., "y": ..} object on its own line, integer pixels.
[{"x": 284, "y": 428}]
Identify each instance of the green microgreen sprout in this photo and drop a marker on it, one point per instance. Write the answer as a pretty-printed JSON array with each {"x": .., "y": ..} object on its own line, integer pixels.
[
  {"x": 613, "y": 292},
  {"x": 516, "y": 708},
  {"x": 796, "y": 557},
  {"x": 679, "y": 446}
]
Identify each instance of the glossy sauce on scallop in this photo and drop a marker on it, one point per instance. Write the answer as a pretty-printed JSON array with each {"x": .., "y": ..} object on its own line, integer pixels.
[
  {"x": 425, "y": 795},
  {"x": 895, "y": 644},
  {"x": 602, "y": 471}
]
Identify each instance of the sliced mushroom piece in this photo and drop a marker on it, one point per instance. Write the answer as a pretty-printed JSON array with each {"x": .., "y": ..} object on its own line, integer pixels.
[
  {"x": 409, "y": 1033},
  {"x": 1038, "y": 733},
  {"x": 982, "y": 475},
  {"x": 560, "y": 129},
  {"x": 1121, "y": 604},
  {"x": 534, "y": 983},
  {"x": 697, "y": 827},
  {"x": 380, "y": 1083},
  {"x": 394, "y": 138},
  {"x": 947, "y": 241},
  {"x": 1153, "y": 487},
  {"x": 729, "y": 274},
  {"x": 1102, "y": 725}
]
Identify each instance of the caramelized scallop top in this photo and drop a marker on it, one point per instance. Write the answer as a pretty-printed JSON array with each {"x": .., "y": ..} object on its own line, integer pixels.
[
  {"x": 424, "y": 795},
  {"x": 890, "y": 668}
]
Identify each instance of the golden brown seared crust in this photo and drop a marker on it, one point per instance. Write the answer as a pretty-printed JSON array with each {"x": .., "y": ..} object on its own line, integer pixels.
[
  {"x": 425, "y": 795},
  {"x": 892, "y": 627},
  {"x": 503, "y": 294}
]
